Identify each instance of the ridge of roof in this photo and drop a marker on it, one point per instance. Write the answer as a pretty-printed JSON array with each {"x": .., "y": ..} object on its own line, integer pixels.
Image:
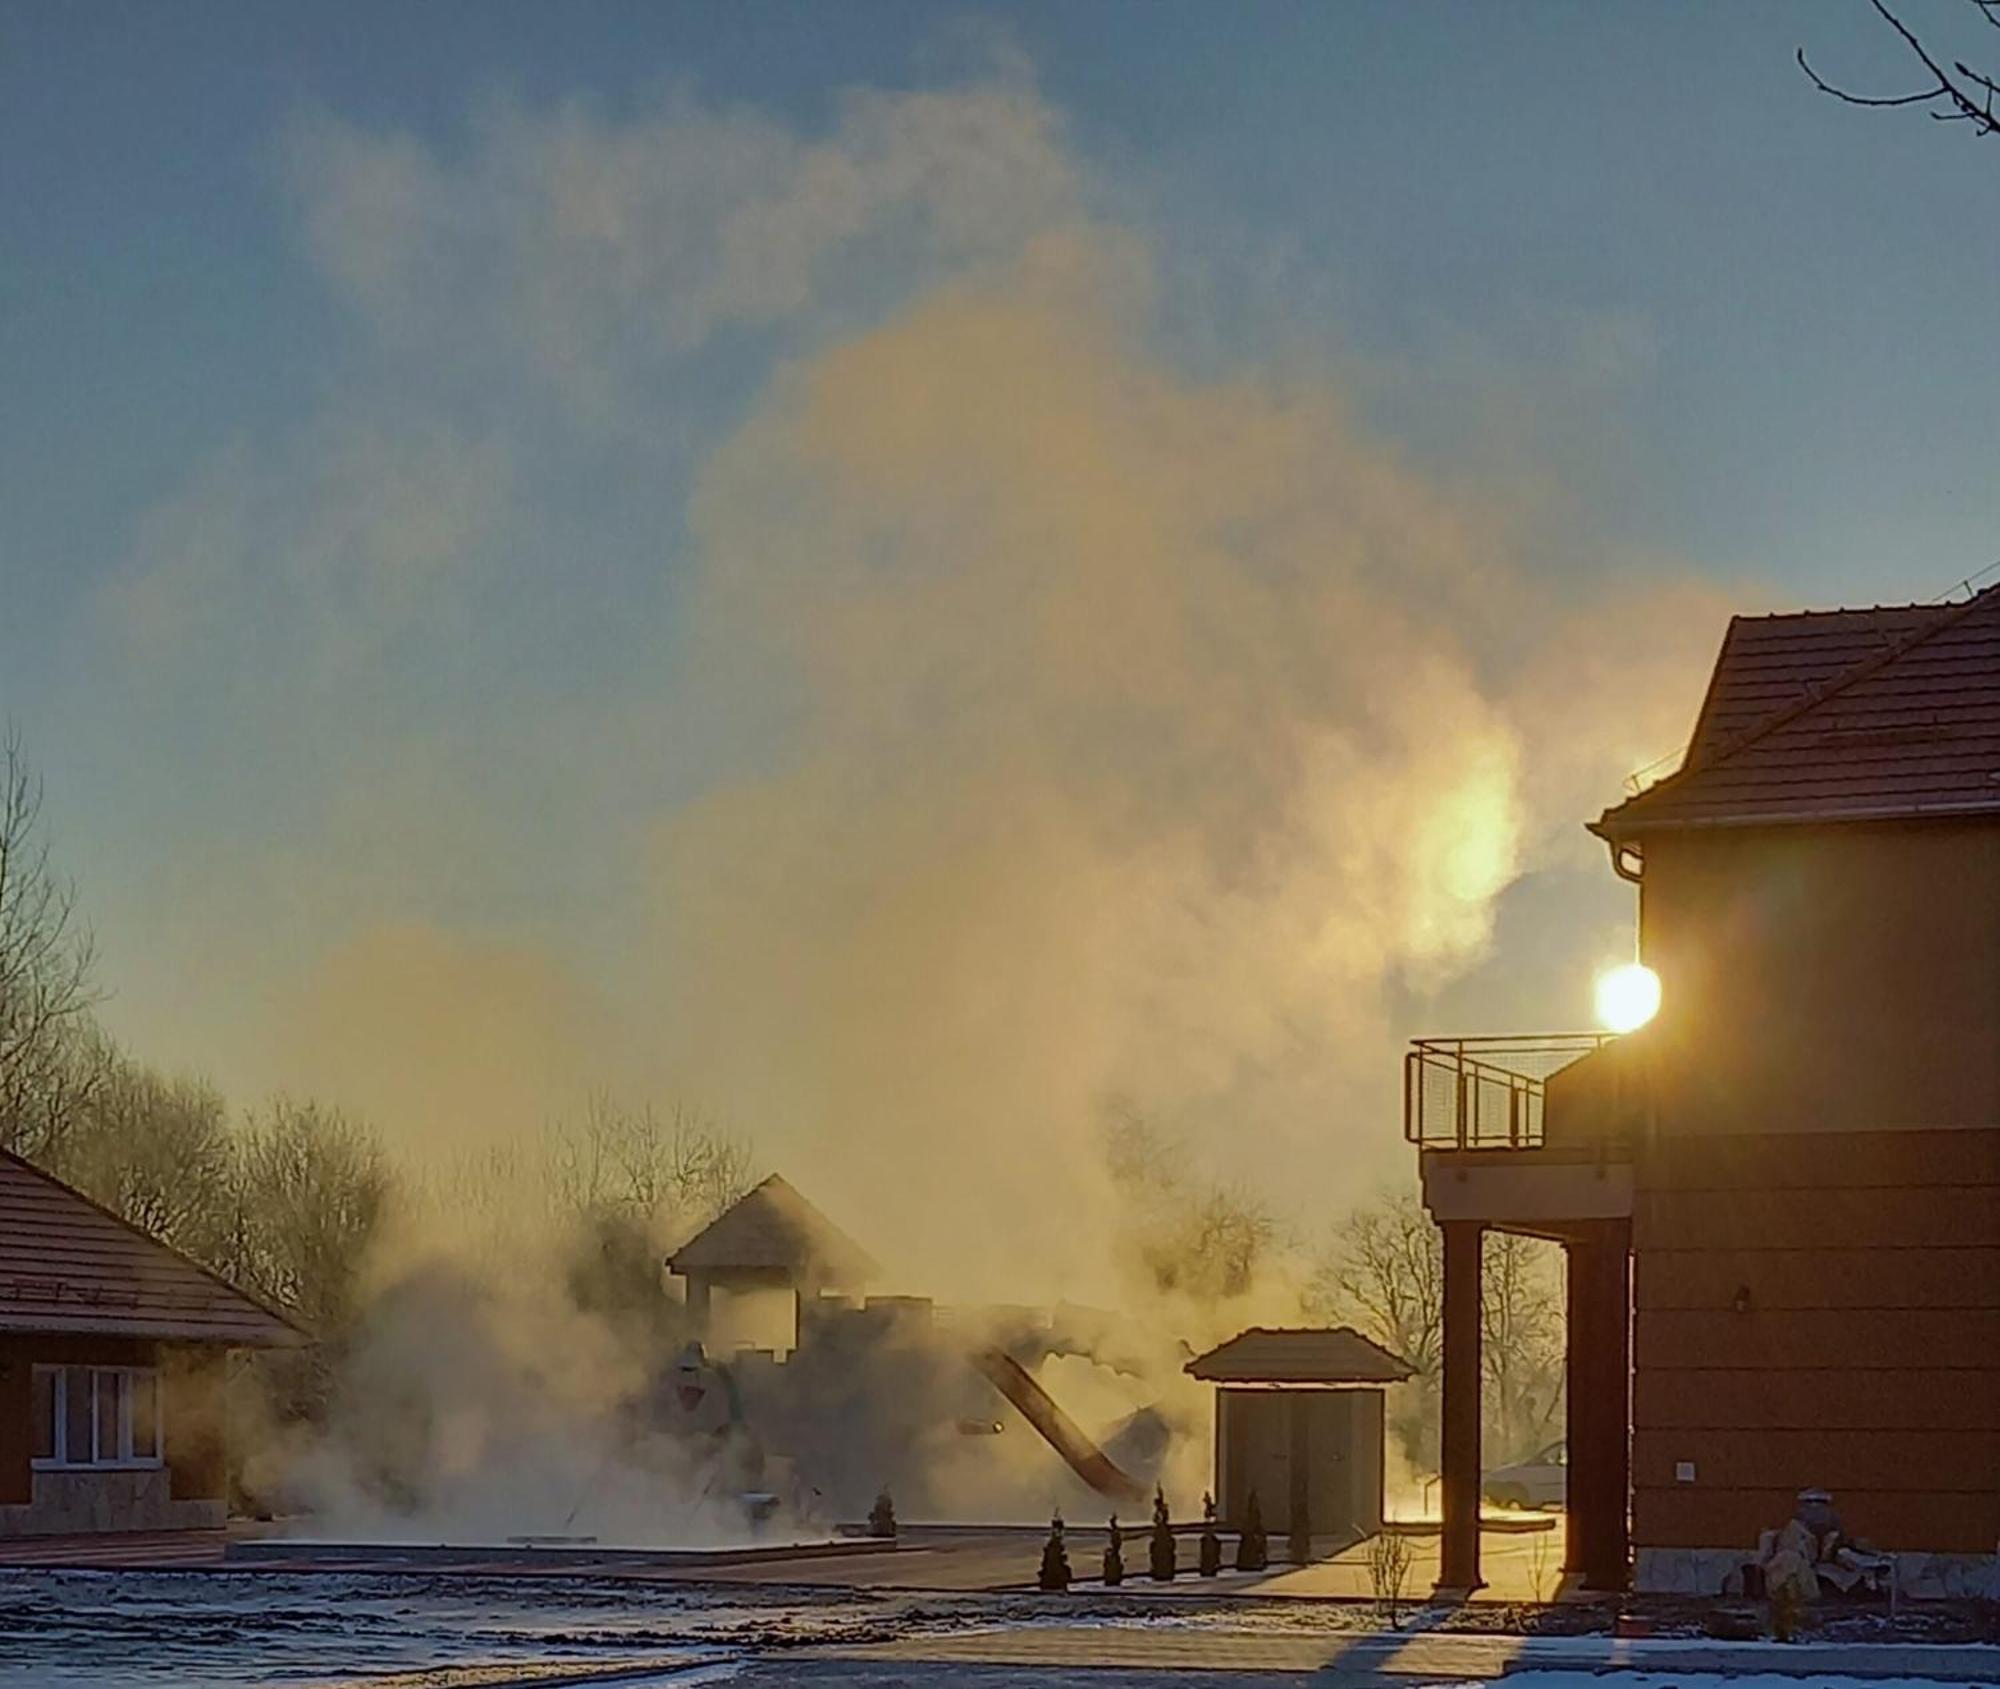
[
  {"x": 180, "y": 1256},
  {"x": 1810, "y": 615},
  {"x": 1936, "y": 619}
]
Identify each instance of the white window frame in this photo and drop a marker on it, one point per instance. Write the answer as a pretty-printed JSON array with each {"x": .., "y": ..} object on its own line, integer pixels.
[{"x": 123, "y": 1379}]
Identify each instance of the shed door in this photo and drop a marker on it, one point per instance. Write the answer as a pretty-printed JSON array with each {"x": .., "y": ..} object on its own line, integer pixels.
[{"x": 1258, "y": 1449}]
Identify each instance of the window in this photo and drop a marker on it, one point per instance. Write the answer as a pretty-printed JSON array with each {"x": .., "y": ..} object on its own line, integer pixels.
[{"x": 96, "y": 1416}]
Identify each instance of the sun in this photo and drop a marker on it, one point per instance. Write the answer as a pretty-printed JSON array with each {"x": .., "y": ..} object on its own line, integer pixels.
[{"x": 1627, "y": 997}]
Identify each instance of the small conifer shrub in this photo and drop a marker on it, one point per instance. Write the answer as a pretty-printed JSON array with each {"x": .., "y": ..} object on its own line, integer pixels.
[{"x": 1055, "y": 1558}]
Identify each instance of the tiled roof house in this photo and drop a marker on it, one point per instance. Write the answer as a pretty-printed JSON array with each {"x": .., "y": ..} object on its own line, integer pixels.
[{"x": 112, "y": 1348}]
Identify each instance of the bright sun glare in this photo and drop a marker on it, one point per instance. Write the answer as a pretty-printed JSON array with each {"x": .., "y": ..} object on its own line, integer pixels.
[{"x": 1627, "y": 996}]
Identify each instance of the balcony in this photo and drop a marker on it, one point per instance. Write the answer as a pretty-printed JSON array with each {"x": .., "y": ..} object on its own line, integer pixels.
[{"x": 1485, "y": 1093}]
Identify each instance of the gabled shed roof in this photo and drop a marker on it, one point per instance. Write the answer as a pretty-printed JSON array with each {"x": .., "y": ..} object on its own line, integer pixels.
[
  {"x": 67, "y": 1265},
  {"x": 1301, "y": 1355},
  {"x": 1841, "y": 715},
  {"x": 774, "y": 1227}
]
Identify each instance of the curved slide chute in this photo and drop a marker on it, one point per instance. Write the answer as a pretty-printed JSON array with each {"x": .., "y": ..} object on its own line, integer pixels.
[{"x": 1058, "y": 1430}]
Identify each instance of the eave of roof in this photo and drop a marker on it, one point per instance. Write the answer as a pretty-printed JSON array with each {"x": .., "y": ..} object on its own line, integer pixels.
[
  {"x": 70, "y": 1265},
  {"x": 1300, "y": 1355}
]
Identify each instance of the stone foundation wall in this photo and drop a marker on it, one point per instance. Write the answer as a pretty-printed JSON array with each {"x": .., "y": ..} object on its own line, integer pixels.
[
  {"x": 1714, "y": 1571},
  {"x": 84, "y": 1503}
]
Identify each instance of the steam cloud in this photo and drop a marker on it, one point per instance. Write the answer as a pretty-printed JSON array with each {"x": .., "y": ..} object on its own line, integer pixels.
[{"x": 784, "y": 598}]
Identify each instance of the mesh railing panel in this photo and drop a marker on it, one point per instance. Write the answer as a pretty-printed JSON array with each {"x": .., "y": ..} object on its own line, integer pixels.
[{"x": 1484, "y": 1093}]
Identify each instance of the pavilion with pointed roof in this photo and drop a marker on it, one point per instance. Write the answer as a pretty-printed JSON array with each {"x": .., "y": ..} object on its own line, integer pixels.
[{"x": 770, "y": 1239}]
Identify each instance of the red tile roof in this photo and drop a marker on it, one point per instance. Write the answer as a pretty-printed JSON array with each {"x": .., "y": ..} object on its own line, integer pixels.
[
  {"x": 1300, "y": 1355},
  {"x": 1840, "y": 715},
  {"x": 67, "y": 1265}
]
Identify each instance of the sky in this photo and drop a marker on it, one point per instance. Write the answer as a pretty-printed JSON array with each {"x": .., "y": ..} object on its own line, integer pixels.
[{"x": 910, "y": 574}]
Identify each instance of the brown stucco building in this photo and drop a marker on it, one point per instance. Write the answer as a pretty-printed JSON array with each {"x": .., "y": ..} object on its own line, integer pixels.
[
  {"x": 112, "y": 1356},
  {"x": 1781, "y": 1198}
]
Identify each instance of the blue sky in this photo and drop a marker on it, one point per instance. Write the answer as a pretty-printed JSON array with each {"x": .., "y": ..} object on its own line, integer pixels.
[
  {"x": 401, "y": 418},
  {"x": 1814, "y": 282}
]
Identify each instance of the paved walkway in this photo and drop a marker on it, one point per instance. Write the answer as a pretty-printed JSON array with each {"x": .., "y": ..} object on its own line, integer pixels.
[
  {"x": 117, "y": 1550},
  {"x": 1396, "y": 1660},
  {"x": 1520, "y": 1565}
]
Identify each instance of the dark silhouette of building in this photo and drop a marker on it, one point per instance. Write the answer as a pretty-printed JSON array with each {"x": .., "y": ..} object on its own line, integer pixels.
[
  {"x": 1780, "y": 1199},
  {"x": 771, "y": 1239}
]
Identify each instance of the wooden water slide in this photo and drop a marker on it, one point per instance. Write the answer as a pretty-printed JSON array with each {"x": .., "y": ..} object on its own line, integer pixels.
[{"x": 1058, "y": 1430}]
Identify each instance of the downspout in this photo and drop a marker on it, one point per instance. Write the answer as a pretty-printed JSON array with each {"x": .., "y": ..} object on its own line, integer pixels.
[{"x": 1628, "y": 860}]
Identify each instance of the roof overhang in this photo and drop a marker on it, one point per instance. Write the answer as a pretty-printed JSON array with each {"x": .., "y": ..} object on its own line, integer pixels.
[
  {"x": 1614, "y": 832},
  {"x": 217, "y": 1333}
]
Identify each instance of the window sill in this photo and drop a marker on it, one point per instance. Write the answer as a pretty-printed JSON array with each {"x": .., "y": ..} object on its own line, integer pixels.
[{"x": 98, "y": 1466}]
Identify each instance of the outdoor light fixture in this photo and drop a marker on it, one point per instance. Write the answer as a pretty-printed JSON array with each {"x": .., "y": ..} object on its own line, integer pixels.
[
  {"x": 1627, "y": 997},
  {"x": 1741, "y": 1300}
]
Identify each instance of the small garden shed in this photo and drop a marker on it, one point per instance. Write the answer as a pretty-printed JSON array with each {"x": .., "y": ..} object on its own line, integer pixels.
[{"x": 1299, "y": 1421}]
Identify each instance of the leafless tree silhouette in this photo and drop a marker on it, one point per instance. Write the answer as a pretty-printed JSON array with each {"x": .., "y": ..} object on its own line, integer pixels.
[
  {"x": 48, "y": 1058},
  {"x": 1958, "y": 95}
]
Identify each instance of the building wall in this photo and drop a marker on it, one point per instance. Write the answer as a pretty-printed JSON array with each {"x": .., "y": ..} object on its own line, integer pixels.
[
  {"x": 188, "y": 1489},
  {"x": 1825, "y": 979},
  {"x": 1816, "y": 1227}
]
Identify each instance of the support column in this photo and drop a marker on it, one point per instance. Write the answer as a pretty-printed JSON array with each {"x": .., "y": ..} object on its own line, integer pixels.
[
  {"x": 1600, "y": 1451},
  {"x": 697, "y": 1300},
  {"x": 1459, "y": 1475},
  {"x": 1577, "y": 1386},
  {"x": 1614, "y": 1530}
]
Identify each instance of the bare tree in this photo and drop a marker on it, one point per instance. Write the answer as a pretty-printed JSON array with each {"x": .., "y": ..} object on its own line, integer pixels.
[
  {"x": 1958, "y": 95},
  {"x": 311, "y": 1191},
  {"x": 157, "y": 1151},
  {"x": 626, "y": 1182},
  {"x": 1522, "y": 1332},
  {"x": 1384, "y": 1273},
  {"x": 49, "y": 1056},
  {"x": 1186, "y": 1234},
  {"x": 675, "y": 1168}
]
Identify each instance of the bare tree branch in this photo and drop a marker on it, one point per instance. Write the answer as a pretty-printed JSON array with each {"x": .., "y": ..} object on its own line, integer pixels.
[
  {"x": 50, "y": 1057},
  {"x": 1951, "y": 101}
]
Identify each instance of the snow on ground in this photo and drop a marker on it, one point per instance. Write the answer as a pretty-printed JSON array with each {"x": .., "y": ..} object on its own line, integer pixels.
[
  {"x": 126, "y": 1630},
  {"x": 391, "y": 1629}
]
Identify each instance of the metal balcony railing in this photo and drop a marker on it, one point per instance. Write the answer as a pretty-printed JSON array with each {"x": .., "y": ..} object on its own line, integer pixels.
[{"x": 1485, "y": 1093}]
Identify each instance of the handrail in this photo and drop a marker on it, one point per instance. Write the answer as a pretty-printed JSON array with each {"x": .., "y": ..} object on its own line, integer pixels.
[{"x": 1485, "y": 1091}]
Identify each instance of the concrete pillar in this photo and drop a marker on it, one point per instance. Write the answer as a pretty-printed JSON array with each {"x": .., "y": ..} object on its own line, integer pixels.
[
  {"x": 1600, "y": 1382},
  {"x": 1614, "y": 1535},
  {"x": 1576, "y": 1532},
  {"x": 1464, "y": 1243}
]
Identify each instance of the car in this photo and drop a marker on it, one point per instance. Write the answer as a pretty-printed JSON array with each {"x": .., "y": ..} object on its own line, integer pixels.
[{"x": 1540, "y": 1481}]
